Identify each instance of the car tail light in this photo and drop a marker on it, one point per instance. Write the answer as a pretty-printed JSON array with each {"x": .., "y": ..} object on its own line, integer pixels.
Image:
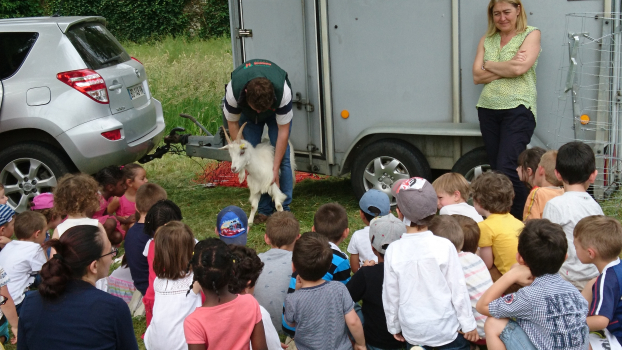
[
  {"x": 86, "y": 81},
  {"x": 112, "y": 135},
  {"x": 136, "y": 59}
]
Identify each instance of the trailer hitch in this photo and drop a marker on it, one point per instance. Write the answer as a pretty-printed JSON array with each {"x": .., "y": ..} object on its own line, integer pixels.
[{"x": 171, "y": 138}]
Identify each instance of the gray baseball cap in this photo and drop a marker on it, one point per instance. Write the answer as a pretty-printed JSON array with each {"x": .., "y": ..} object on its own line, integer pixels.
[
  {"x": 384, "y": 230},
  {"x": 416, "y": 199}
]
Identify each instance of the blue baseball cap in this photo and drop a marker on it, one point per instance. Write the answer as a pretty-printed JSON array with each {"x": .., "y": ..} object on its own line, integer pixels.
[
  {"x": 377, "y": 199},
  {"x": 232, "y": 225},
  {"x": 6, "y": 214}
]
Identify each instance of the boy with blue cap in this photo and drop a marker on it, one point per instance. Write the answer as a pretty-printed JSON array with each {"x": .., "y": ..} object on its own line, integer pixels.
[
  {"x": 7, "y": 224},
  {"x": 232, "y": 225},
  {"x": 373, "y": 204}
]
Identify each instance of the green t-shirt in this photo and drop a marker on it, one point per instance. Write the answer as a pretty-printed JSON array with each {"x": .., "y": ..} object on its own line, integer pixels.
[{"x": 508, "y": 93}]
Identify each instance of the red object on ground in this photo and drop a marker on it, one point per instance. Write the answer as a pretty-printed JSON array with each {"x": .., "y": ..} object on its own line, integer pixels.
[{"x": 220, "y": 174}]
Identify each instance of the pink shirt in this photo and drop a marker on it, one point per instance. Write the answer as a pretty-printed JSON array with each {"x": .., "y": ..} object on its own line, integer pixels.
[
  {"x": 126, "y": 208},
  {"x": 226, "y": 326}
]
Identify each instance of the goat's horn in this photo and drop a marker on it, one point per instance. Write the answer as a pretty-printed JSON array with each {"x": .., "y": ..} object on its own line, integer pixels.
[
  {"x": 226, "y": 135},
  {"x": 239, "y": 137}
]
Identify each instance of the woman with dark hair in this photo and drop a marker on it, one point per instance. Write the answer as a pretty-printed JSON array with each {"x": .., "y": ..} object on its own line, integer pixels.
[
  {"x": 69, "y": 312},
  {"x": 506, "y": 60}
]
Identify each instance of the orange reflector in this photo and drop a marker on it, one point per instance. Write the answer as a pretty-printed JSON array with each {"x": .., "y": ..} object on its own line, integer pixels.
[
  {"x": 345, "y": 114},
  {"x": 584, "y": 119}
]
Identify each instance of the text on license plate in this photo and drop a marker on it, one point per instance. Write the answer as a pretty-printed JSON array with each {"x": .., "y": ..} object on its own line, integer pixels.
[{"x": 136, "y": 91}]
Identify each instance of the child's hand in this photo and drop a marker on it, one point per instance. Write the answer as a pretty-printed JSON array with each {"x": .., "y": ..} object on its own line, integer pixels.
[
  {"x": 360, "y": 347},
  {"x": 284, "y": 346},
  {"x": 472, "y": 336},
  {"x": 14, "y": 339},
  {"x": 369, "y": 263},
  {"x": 399, "y": 337},
  {"x": 521, "y": 275}
]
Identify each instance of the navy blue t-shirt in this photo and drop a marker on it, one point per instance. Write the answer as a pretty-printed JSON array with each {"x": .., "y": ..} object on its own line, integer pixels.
[
  {"x": 83, "y": 317},
  {"x": 606, "y": 298},
  {"x": 135, "y": 242}
]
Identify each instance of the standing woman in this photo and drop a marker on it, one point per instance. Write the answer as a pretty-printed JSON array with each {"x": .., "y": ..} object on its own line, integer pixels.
[
  {"x": 506, "y": 63},
  {"x": 68, "y": 312}
]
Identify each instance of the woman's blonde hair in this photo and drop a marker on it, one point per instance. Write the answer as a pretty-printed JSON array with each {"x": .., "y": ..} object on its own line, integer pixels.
[{"x": 521, "y": 19}]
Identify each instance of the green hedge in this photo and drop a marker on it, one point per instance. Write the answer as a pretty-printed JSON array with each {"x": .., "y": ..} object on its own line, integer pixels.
[{"x": 135, "y": 20}]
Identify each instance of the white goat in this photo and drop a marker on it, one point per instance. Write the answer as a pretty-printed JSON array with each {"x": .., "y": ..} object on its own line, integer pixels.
[{"x": 257, "y": 163}]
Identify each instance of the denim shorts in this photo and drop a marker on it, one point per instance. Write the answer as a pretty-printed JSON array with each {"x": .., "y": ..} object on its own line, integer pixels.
[{"x": 515, "y": 338}]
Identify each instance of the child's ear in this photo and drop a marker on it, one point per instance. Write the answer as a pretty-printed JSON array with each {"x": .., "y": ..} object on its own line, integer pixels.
[
  {"x": 519, "y": 259},
  {"x": 529, "y": 172},
  {"x": 297, "y": 238},
  {"x": 346, "y": 232},
  {"x": 216, "y": 231},
  {"x": 593, "y": 176},
  {"x": 591, "y": 252},
  {"x": 37, "y": 233},
  {"x": 293, "y": 268},
  {"x": 313, "y": 228},
  {"x": 266, "y": 239},
  {"x": 566, "y": 258},
  {"x": 399, "y": 213},
  {"x": 559, "y": 177},
  {"x": 457, "y": 196}
]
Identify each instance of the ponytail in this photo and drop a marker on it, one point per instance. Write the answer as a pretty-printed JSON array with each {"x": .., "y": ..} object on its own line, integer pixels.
[{"x": 77, "y": 248}]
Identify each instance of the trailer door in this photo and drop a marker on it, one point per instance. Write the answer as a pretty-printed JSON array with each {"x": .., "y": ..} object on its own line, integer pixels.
[{"x": 284, "y": 32}]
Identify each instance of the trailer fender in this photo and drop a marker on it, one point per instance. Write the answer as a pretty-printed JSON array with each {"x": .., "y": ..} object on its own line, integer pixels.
[{"x": 399, "y": 130}]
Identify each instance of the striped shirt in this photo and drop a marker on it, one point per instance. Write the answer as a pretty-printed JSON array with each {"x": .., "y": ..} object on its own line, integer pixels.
[
  {"x": 550, "y": 311},
  {"x": 478, "y": 280},
  {"x": 606, "y": 300},
  {"x": 339, "y": 271},
  {"x": 284, "y": 113}
]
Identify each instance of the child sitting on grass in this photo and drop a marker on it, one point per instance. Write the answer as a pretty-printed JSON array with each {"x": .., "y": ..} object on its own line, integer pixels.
[
  {"x": 174, "y": 301},
  {"x": 247, "y": 269},
  {"x": 548, "y": 313},
  {"x": 575, "y": 166},
  {"x": 136, "y": 238},
  {"x": 546, "y": 187},
  {"x": 44, "y": 204},
  {"x": 3, "y": 198},
  {"x": 282, "y": 231},
  {"x": 24, "y": 256},
  {"x": 7, "y": 224},
  {"x": 598, "y": 241},
  {"x": 226, "y": 320},
  {"x": 465, "y": 239},
  {"x": 493, "y": 194},
  {"x": 373, "y": 204},
  {"x": 124, "y": 207},
  {"x": 330, "y": 221},
  {"x": 453, "y": 192},
  {"x": 75, "y": 196},
  {"x": 320, "y": 310},
  {"x": 426, "y": 268},
  {"x": 366, "y": 284},
  {"x": 528, "y": 162},
  {"x": 112, "y": 184}
]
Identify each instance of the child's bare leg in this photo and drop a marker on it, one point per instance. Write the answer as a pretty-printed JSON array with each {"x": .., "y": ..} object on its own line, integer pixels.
[{"x": 493, "y": 328}]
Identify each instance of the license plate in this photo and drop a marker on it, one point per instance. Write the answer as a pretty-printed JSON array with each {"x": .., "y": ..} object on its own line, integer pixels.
[{"x": 136, "y": 92}]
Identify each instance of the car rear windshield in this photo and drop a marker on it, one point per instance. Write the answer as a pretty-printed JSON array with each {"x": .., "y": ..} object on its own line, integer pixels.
[
  {"x": 97, "y": 47},
  {"x": 14, "y": 47}
]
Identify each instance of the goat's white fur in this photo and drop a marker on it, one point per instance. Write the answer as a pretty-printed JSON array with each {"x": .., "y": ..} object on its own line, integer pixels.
[{"x": 255, "y": 164}]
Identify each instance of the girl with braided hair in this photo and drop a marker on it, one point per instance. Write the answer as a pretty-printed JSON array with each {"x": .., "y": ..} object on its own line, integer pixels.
[
  {"x": 247, "y": 269},
  {"x": 68, "y": 312},
  {"x": 226, "y": 320},
  {"x": 160, "y": 214},
  {"x": 174, "y": 243}
]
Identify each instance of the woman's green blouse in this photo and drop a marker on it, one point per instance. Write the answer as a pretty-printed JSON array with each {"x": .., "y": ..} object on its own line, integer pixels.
[{"x": 508, "y": 93}]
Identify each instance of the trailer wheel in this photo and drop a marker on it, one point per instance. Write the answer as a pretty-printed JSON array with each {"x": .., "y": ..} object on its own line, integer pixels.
[
  {"x": 382, "y": 163},
  {"x": 472, "y": 164}
]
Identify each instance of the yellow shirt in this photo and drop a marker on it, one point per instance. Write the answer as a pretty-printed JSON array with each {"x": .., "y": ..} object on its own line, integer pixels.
[{"x": 500, "y": 231}]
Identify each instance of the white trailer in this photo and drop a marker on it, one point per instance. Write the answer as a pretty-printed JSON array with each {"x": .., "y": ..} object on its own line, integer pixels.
[{"x": 383, "y": 88}]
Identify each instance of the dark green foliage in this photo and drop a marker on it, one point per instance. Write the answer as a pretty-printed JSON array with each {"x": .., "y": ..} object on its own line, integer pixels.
[
  {"x": 134, "y": 20},
  {"x": 215, "y": 21}
]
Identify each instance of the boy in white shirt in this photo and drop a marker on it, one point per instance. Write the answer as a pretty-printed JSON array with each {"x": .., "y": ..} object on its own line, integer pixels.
[
  {"x": 22, "y": 258},
  {"x": 453, "y": 191},
  {"x": 424, "y": 294},
  {"x": 373, "y": 204},
  {"x": 576, "y": 168}
]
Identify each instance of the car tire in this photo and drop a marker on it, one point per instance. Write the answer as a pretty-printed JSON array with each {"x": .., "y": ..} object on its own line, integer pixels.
[
  {"x": 472, "y": 164},
  {"x": 28, "y": 169},
  {"x": 382, "y": 163}
]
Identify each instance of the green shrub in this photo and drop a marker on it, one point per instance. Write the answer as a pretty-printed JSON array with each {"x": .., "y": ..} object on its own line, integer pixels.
[
  {"x": 215, "y": 19},
  {"x": 20, "y": 8}
]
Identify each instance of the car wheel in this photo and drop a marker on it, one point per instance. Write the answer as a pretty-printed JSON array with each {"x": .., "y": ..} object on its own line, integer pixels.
[
  {"x": 472, "y": 164},
  {"x": 27, "y": 170},
  {"x": 381, "y": 164}
]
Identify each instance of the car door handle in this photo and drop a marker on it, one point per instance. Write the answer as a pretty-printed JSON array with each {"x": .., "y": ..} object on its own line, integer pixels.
[{"x": 115, "y": 87}]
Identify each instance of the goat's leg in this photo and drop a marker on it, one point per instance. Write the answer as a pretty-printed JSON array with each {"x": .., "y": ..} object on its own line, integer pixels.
[
  {"x": 277, "y": 196},
  {"x": 254, "y": 200}
]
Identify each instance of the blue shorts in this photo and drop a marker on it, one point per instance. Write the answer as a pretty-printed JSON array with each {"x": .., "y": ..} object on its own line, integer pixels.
[{"x": 515, "y": 338}]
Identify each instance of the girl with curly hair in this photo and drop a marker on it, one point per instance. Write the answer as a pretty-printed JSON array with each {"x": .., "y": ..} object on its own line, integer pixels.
[
  {"x": 226, "y": 320},
  {"x": 174, "y": 243}
]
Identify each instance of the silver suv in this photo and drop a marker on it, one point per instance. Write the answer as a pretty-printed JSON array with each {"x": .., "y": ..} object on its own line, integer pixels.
[{"x": 71, "y": 98}]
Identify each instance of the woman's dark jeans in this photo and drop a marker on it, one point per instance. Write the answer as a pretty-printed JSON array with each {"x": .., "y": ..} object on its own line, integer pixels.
[{"x": 506, "y": 133}]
